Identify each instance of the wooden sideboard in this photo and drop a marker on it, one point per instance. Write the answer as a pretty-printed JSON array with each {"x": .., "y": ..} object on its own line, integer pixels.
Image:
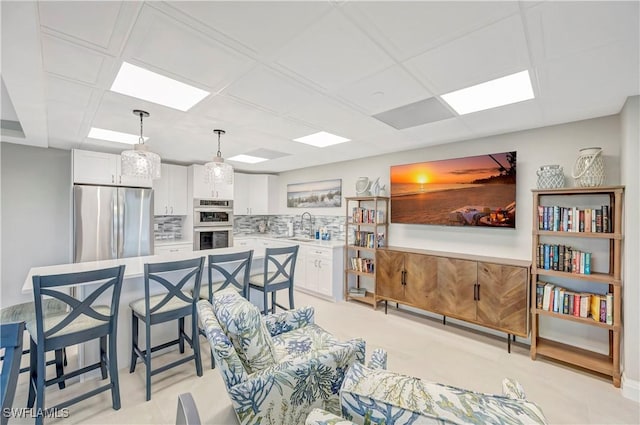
[{"x": 487, "y": 291}]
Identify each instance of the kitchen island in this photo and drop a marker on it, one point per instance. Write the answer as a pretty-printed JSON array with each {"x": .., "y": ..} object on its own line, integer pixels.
[{"x": 133, "y": 289}]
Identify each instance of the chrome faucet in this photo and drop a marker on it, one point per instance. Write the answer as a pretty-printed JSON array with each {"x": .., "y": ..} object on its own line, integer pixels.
[{"x": 310, "y": 223}]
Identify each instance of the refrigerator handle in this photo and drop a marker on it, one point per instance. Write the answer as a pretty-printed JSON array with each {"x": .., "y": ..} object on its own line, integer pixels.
[{"x": 120, "y": 223}]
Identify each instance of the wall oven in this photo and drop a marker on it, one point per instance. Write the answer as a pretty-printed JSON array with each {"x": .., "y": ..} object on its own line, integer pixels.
[
  {"x": 212, "y": 224},
  {"x": 212, "y": 237},
  {"x": 212, "y": 212}
]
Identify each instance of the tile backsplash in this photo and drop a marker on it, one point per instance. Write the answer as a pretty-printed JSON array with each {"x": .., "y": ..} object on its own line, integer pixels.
[
  {"x": 278, "y": 224},
  {"x": 167, "y": 227}
]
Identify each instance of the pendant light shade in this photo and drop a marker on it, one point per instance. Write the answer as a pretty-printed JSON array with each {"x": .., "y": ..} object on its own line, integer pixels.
[
  {"x": 218, "y": 171},
  {"x": 140, "y": 162}
]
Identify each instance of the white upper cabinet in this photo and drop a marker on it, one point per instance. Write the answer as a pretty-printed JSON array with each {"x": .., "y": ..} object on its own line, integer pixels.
[
  {"x": 255, "y": 194},
  {"x": 170, "y": 191},
  {"x": 102, "y": 168},
  {"x": 201, "y": 189}
]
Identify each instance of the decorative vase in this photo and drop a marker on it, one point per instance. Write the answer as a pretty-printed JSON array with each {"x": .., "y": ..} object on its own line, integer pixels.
[
  {"x": 588, "y": 170},
  {"x": 550, "y": 177},
  {"x": 362, "y": 186}
]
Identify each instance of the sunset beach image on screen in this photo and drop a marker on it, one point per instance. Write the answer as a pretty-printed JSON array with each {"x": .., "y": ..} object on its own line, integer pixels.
[{"x": 471, "y": 191}]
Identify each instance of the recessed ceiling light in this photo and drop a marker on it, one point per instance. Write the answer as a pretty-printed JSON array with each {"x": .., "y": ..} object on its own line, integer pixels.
[
  {"x": 114, "y": 136},
  {"x": 491, "y": 94},
  {"x": 247, "y": 158},
  {"x": 146, "y": 85},
  {"x": 321, "y": 139}
]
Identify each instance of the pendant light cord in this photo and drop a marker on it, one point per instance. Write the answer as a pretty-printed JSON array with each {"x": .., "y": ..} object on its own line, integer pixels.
[
  {"x": 219, "y": 154},
  {"x": 141, "y": 139}
]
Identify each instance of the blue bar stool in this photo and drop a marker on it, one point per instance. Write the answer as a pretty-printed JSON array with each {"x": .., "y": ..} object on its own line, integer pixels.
[
  {"x": 174, "y": 304},
  {"x": 279, "y": 268},
  {"x": 82, "y": 322},
  {"x": 11, "y": 335}
]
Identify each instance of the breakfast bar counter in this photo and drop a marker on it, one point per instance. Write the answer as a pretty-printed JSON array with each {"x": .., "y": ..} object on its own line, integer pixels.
[{"x": 133, "y": 289}]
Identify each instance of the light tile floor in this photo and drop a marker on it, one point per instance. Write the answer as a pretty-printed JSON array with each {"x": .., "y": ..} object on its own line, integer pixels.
[{"x": 416, "y": 345}]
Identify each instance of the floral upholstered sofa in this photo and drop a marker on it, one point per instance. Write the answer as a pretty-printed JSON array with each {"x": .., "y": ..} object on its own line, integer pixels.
[
  {"x": 278, "y": 367},
  {"x": 370, "y": 396}
]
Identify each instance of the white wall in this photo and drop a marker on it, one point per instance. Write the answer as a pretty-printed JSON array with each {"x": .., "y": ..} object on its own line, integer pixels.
[
  {"x": 629, "y": 165},
  {"x": 35, "y": 210},
  {"x": 549, "y": 145}
]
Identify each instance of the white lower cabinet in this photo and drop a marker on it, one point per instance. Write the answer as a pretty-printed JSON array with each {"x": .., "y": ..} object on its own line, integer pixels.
[
  {"x": 168, "y": 249},
  {"x": 318, "y": 270}
]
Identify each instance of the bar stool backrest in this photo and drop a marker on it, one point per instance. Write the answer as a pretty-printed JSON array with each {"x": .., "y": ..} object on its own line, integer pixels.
[
  {"x": 191, "y": 270},
  {"x": 56, "y": 287},
  {"x": 280, "y": 264},
  {"x": 11, "y": 340},
  {"x": 238, "y": 277}
]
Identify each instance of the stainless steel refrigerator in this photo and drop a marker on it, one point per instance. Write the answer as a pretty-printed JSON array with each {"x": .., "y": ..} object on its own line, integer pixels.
[{"x": 112, "y": 222}]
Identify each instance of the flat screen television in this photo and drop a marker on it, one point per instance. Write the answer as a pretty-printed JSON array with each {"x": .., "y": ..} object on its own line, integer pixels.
[{"x": 472, "y": 191}]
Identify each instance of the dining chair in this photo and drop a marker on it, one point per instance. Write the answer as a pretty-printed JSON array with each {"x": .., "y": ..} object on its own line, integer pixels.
[
  {"x": 83, "y": 321},
  {"x": 11, "y": 342},
  {"x": 187, "y": 413},
  {"x": 25, "y": 312},
  {"x": 175, "y": 303},
  {"x": 278, "y": 273},
  {"x": 226, "y": 271}
]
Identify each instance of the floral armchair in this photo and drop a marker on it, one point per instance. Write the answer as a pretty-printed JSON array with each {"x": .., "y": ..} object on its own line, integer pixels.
[
  {"x": 372, "y": 396},
  {"x": 278, "y": 367}
]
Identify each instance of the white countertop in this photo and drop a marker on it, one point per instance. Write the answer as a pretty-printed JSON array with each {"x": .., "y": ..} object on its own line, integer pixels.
[
  {"x": 333, "y": 243},
  {"x": 134, "y": 265},
  {"x": 170, "y": 242}
]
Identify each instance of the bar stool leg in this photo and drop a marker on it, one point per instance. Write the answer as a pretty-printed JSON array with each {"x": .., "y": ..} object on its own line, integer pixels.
[
  {"x": 291, "y": 297},
  {"x": 40, "y": 378},
  {"x": 134, "y": 342},
  {"x": 195, "y": 343},
  {"x": 32, "y": 374},
  {"x": 147, "y": 357},
  {"x": 103, "y": 356},
  {"x": 273, "y": 302},
  {"x": 113, "y": 371},
  {"x": 181, "y": 334},
  {"x": 59, "y": 356},
  {"x": 265, "y": 305}
]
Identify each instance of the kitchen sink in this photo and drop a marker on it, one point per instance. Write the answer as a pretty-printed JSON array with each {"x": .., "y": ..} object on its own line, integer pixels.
[{"x": 301, "y": 239}]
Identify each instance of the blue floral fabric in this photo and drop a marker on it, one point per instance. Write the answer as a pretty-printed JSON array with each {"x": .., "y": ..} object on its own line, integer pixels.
[
  {"x": 308, "y": 375},
  {"x": 382, "y": 397},
  {"x": 322, "y": 417},
  {"x": 242, "y": 322}
]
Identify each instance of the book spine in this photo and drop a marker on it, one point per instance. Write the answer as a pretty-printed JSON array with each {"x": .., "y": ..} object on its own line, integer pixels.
[
  {"x": 581, "y": 221},
  {"x": 540, "y": 217},
  {"x": 567, "y": 259},
  {"x": 603, "y": 309},
  {"x": 556, "y": 218},
  {"x": 539, "y": 295},
  {"x": 605, "y": 219},
  {"x": 561, "y": 253},
  {"x": 556, "y": 301},
  {"x": 609, "y": 309},
  {"x": 565, "y": 304},
  {"x": 571, "y": 303},
  {"x": 546, "y": 257},
  {"x": 569, "y": 220},
  {"x": 576, "y": 305},
  {"x": 587, "y": 263},
  {"x": 582, "y": 263}
]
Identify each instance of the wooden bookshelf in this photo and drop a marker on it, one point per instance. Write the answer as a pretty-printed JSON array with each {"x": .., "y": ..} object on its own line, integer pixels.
[
  {"x": 377, "y": 224},
  {"x": 607, "y": 364}
]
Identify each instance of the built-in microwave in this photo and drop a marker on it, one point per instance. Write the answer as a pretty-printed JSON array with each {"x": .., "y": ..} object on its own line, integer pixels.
[
  {"x": 212, "y": 237},
  {"x": 212, "y": 212}
]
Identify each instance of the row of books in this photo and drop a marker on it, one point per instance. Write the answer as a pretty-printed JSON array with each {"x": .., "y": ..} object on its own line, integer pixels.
[
  {"x": 362, "y": 264},
  {"x": 572, "y": 219},
  {"x": 368, "y": 239},
  {"x": 364, "y": 215},
  {"x": 560, "y": 300},
  {"x": 563, "y": 258}
]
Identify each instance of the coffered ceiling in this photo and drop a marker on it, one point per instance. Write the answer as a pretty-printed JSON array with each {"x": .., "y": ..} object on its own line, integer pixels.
[{"x": 282, "y": 70}]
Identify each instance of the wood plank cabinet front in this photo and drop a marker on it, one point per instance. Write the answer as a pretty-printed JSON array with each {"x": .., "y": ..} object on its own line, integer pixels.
[{"x": 486, "y": 293}]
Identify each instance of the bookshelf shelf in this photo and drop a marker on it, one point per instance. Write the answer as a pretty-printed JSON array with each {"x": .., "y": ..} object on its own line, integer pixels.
[
  {"x": 604, "y": 278},
  {"x": 366, "y": 221},
  {"x": 595, "y": 235},
  {"x": 585, "y": 320},
  {"x": 360, "y": 273},
  {"x": 612, "y": 210},
  {"x": 369, "y": 298},
  {"x": 576, "y": 356}
]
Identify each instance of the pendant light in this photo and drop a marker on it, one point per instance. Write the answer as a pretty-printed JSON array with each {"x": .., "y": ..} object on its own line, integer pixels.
[
  {"x": 217, "y": 170},
  {"x": 140, "y": 162}
]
